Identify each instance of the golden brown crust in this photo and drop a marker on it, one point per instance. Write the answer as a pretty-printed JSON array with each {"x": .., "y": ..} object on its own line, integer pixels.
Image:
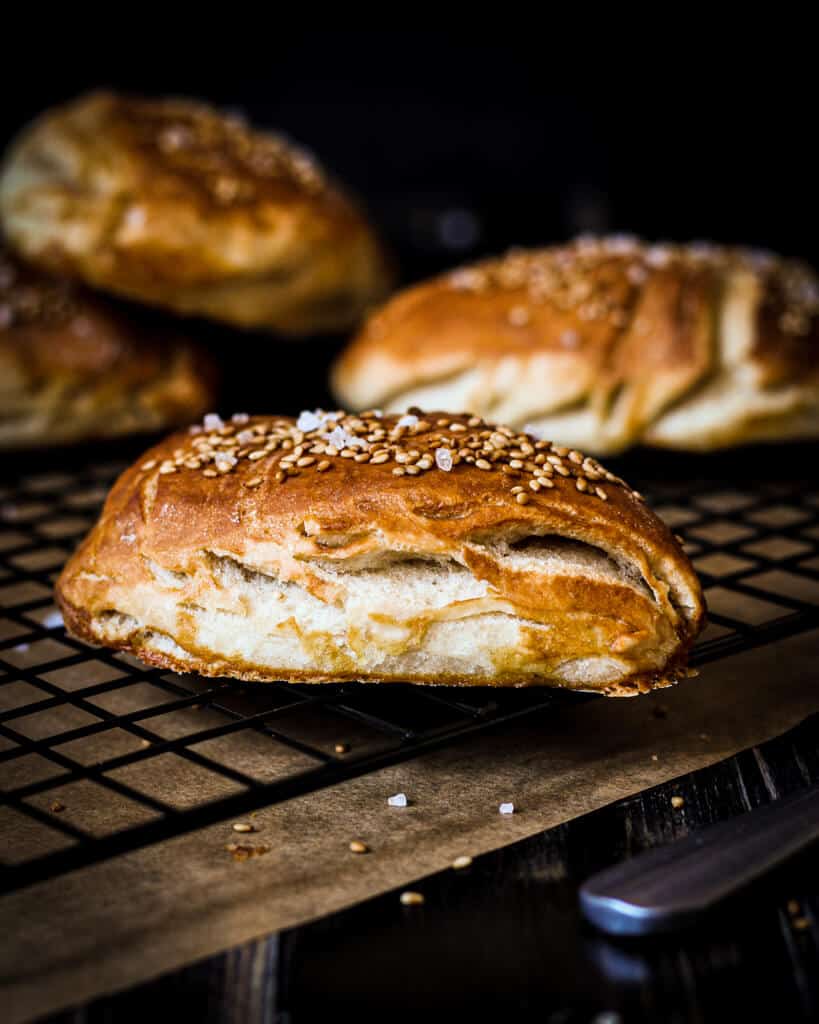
[
  {"x": 174, "y": 204},
  {"x": 76, "y": 367},
  {"x": 265, "y": 506},
  {"x": 601, "y": 341}
]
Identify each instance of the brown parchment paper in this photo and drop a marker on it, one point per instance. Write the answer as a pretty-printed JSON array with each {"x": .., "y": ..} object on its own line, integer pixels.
[{"x": 121, "y": 922}]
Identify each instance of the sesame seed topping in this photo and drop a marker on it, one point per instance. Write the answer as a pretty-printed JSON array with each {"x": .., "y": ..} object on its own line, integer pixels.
[
  {"x": 408, "y": 445},
  {"x": 462, "y": 862},
  {"x": 598, "y": 280},
  {"x": 356, "y": 846}
]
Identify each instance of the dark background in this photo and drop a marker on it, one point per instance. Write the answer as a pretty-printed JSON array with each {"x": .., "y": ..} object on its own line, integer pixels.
[
  {"x": 507, "y": 129},
  {"x": 465, "y": 140}
]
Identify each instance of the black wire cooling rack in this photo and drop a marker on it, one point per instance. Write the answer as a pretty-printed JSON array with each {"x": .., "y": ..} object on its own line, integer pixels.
[{"x": 75, "y": 718}]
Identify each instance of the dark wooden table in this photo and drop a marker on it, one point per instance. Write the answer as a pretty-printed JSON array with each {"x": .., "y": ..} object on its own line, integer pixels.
[{"x": 505, "y": 937}]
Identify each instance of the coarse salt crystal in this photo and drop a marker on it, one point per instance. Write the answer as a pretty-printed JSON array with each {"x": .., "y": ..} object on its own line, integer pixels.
[
  {"x": 308, "y": 421},
  {"x": 408, "y": 421},
  {"x": 340, "y": 438},
  {"x": 239, "y": 417},
  {"x": 399, "y": 800},
  {"x": 127, "y": 538},
  {"x": 443, "y": 459},
  {"x": 82, "y": 327},
  {"x": 224, "y": 462},
  {"x": 213, "y": 421},
  {"x": 52, "y": 621},
  {"x": 507, "y": 808},
  {"x": 246, "y": 436},
  {"x": 658, "y": 256},
  {"x": 135, "y": 218},
  {"x": 22, "y": 648}
]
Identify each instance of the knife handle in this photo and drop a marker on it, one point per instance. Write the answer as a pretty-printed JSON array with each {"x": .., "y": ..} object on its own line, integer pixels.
[{"x": 670, "y": 887}]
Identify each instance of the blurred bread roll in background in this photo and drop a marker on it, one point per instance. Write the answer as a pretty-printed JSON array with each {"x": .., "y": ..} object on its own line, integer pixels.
[
  {"x": 75, "y": 367},
  {"x": 603, "y": 344},
  {"x": 174, "y": 204}
]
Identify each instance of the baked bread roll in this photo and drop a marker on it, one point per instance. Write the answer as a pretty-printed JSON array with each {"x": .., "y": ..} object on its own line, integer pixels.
[
  {"x": 428, "y": 548},
  {"x": 74, "y": 367},
  {"x": 174, "y": 204},
  {"x": 603, "y": 344}
]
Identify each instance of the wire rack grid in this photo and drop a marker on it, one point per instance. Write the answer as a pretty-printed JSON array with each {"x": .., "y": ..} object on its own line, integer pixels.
[{"x": 82, "y": 727}]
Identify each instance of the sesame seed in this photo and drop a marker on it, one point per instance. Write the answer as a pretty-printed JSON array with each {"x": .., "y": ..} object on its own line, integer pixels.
[
  {"x": 380, "y": 457},
  {"x": 461, "y": 862},
  {"x": 534, "y": 485},
  {"x": 518, "y": 316},
  {"x": 243, "y": 826},
  {"x": 149, "y": 464},
  {"x": 305, "y": 460},
  {"x": 254, "y": 482},
  {"x": 356, "y": 846},
  {"x": 581, "y": 484},
  {"x": 483, "y": 464},
  {"x": 323, "y": 466},
  {"x": 677, "y": 802},
  {"x": 411, "y": 899},
  {"x": 342, "y": 748},
  {"x": 517, "y": 490},
  {"x": 522, "y": 498},
  {"x": 601, "y": 493},
  {"x": 398, "y": 471},
  {"x": 209, "y": 472}
]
